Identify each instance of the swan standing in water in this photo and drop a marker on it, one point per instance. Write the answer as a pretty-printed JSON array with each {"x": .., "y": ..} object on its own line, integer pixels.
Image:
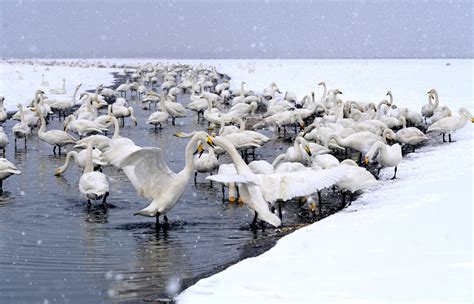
[
  {"x": 448, "y": 125},
  {"x": 257, "y": 190},
  {"x": 410, "y": 136},
  {"x": 6, "y": 170},
  {"x": 3, "y": 113},
  {"x": 21, "y": 129},
  {"x": 59, "y": 91},
  {"x": 386, "y": 156},
  {"x": 56, "y": 138},
  {"x": 93, "y": 185},
  {"x": 152, "y": 178},
  {"x": 355, "y": 179},
  {"x": 204, "y": 162}
]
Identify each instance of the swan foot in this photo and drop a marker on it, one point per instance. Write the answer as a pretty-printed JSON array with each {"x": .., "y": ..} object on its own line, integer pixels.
[
  {"x": 254, "y": 222},
  {"x": 449, "y": 138}
]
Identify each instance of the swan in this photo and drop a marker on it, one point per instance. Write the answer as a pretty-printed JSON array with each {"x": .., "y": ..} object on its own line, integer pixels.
[
  {"x": 355, "y": 179},
  {"x": 44, "y": 83},
  {"x": 233, "y": 192},
  {"x": 19, "y": 75},
  {"x": 93, "y": 185},
  {"x": 3, "y": 140},
  {"x": 61, "y": 90},
  {"x": 325, "y": 161},
  {"x": 101, "y": 142},
  {"x": 3, "y": 113},
  {"x": 80, "y": 160},
  {"x": 153, "y": 179},
  {"x": 21, "y": 129},
  {"x": 64, "y": 105},
  {"x": 83, "y": 127},
  {"x": 261, "y": 167},
  {"x": 174, "y": 109},
  {"x": 281, "y": 120},
  {"x": 121, "y": 111},
  {"x": 361, "y": 141},
  {"x": 6, "y": 170},
  {"x": 157, "y": 118},
  {"x": 410, "y": 136},
  {"x": 105, "y": 120},
  {"x": 56, "y": 138},
  {"x": 204, "y": 162},
  {"x": 386, "y": 156},
  {"x": 123, "y": 88},
  {"x": 448, "y": 125},
  {"x": 427, "y": 110},
  {"x": 258, "y": 189},
  {"x": 441, "y": 113},
  {"x": 300, "y": 153}
]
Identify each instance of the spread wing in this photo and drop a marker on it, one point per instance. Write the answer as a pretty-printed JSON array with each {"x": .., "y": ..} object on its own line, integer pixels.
[
  {"x": 148, "y": 172},
  {"x": 288, "y": 185}
]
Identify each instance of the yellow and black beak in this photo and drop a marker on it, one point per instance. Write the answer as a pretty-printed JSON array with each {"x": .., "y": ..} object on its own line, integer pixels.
[
  {"x": 179, "y": 134},
  {"x": 472, "y": 120},
  {"x": 210, "y": 142},
  {"x": 308, "y": 150},
  {"x": 302, "y": 126},
  {"x": 312, "y": 207},
  {"x": 366, "y": 160},
  {"x": 199, "y": 150}
]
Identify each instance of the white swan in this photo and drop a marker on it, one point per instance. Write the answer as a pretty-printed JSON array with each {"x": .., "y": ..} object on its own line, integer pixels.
[
  {"x": 427, "y": 110},
  {"x": 410, "y": 136},
  {"x": 61, "y": 106},
  {"x": 204, "y": 162},
  {"x": 153, "y": 179},
  {"x": 441, "y": 113},
  {"x": 93, "y": 185},
  {"x": 44, "y": 83},
  {"x": 121, "y": 111},
  {"x": 3, "y": 140},
  {"x": 3, "y": 113},
  {"x": 21, "y": 129},
  {"x": 386, "y": 156},
  {"x": 80, "y": 160},
  {"x": 258, "y": 189},
  {"x": 355, "y": 179},
  {"x": 56, "y": 138},
  {"x": 174, "y": 109},
  {"x": 157, "y": 118},
  {"x": 6, "y": 170},
  {"x": 448, "y": 125},
  {"x": 61, "y": 90},
  {"x": 83, "y": 127},
  {"x": 361, "y": 141},
  {"x": 300, "y": 153}
]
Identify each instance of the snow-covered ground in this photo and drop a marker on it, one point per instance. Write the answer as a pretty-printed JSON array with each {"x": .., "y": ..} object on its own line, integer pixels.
[
  {"x": 16, "y": 90},
  {"x": 408, "y": 241}
]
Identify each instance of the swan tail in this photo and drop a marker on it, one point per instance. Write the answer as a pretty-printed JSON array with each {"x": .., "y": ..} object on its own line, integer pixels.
[{"x": 270, "y": 218}]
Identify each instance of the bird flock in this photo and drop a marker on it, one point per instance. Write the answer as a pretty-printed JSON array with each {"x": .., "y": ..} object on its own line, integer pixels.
[{"x": 336, "y": 145}]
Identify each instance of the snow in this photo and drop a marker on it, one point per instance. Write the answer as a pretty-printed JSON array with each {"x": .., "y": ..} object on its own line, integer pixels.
[
  {"x": 18, "y": 91},
  {"x": 408, "y": 241}
]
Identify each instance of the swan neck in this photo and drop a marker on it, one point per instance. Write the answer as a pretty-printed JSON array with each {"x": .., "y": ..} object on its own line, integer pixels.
[
  {"x": 89, "y": 166},
  {"x": 116, "y": 127},
  {"x": 233, "y": 153},
  {"x": 436, "y": 103},
  {"x": 71, "y": 154}
]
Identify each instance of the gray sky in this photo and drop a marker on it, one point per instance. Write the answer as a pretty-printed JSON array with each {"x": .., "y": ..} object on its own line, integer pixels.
[{"x": 236, "y": 29}]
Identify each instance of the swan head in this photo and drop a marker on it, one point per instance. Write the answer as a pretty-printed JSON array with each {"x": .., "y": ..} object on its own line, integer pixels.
[
  {"x": 389, "y": 93},
  {"x": 57, "y": 172},
  {"x": 337, "y": 91},
  {"x": 199, "y": 150},
  {"x": 322, "y": 83},
  {"x": 432, "y": 91}
]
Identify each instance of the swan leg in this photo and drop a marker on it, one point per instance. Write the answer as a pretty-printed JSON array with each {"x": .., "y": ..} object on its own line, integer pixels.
[
  {"x": 157, "y": 218},
  {"x": 25, "y": 143},
  {"x": 444, "y": 139},
  {"x": 54, "y": 150},
  {"x": 59, "y": 150},
  {"x": 89, "y": 203},
  {"x": 15, "y": 143},
  {"x": 395, "y": 175},
  {"x": 449, "y": 137},
  {"x": 104, "y": 200},
  {"x": 172, "y": 121},
  {"x": 166, "y": 221},
  {"x": 378, "y": 172},
  {"x": 1, "y": 187},
  {"x": 223, "y": 192},
  {"x": 280, "y": 214},
  {"x": 343, "y": 198},
  {"x": 195, "y": 175},
  {"x": 320, "y": 200},
  {"x": 254, "y": 222}
]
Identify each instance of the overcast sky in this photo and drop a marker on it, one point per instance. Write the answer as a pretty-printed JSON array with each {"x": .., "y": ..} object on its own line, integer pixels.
[{"x": 236, "y": 29}]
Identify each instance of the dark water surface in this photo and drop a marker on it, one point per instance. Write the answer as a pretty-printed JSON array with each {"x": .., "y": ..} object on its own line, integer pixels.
[{"x": 54, "y": 249}]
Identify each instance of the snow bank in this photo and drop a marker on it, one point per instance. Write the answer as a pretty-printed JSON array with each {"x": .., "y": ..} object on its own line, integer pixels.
[
  {"x": 22, "y": 91},
  {"x": 408, "y": 241}
]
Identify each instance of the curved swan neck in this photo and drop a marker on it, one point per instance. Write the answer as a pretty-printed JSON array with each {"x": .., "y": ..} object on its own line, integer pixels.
[
  {"x": 188, "y": 154},
  {"x": 436, "y": 103},
  {"x": 233, "y": 153},
  {"x": 116, "y": 127},
  {"x": 325, "y": 92},
  {"x": 71, "y": 154}
]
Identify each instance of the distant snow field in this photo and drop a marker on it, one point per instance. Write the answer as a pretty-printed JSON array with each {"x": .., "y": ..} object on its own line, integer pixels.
[{"x": 407, "y": 241}]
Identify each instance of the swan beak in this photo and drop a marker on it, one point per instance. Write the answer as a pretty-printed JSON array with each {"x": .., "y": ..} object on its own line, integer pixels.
[
  {"x": 472, "y": 120},
  {"x": 231, "y": 199},
  {"x": 308, "y": 150},
  {"x": 302, "y": 126},
  {"x": 199, "y": 150},
  {"x": 240, "y": 201},
  {"x": 210, "y": 142},
  {"x": 312, "y": 206},
  {"x": 57, "y": 173},
  {"x": 179, "y": 134},
  {"x": 321, "y": 83},
  {"x": 366, "y": 160}
]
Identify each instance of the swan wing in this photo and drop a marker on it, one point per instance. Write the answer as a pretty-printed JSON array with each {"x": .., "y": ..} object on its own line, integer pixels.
[
  {"x": 229, "y": 178},
  {"x": 148, "y": 172},
  {"x": 288, "y": 185}
]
